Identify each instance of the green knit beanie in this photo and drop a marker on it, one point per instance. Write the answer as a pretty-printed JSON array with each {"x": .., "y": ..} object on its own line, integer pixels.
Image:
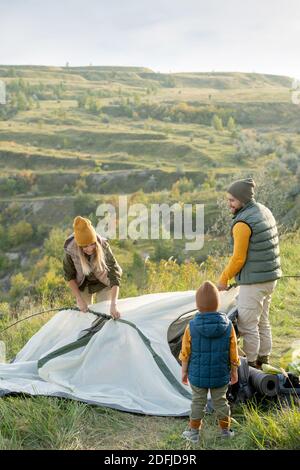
[{"x": 243, "y": 190}]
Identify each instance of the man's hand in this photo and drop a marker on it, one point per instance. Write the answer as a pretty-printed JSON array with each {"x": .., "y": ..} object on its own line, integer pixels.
[
  {"x": 82, "y": 304},
  {"x": 184, "y": 378},
  {"x": 114, "y": 311},
  {"x": 222, "y": 287}
]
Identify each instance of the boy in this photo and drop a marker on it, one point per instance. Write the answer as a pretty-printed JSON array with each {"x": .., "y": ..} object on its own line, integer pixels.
[{"x": 209, "y": 359}]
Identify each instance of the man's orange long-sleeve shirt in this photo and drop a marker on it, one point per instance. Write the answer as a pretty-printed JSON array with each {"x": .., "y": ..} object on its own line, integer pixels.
[{"x": 241, "y": 233}]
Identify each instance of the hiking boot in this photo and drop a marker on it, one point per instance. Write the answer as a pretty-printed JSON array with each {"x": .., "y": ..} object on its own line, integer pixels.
[
  {"x": 191, "y": 435},
  {"x": 262, "y": 360},
  {"x": 227, "y": 433},
  {"x": 254, "y": 364}
]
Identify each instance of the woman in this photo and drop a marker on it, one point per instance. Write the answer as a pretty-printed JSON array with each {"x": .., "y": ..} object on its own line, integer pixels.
[{"x": 90, "y": 267}]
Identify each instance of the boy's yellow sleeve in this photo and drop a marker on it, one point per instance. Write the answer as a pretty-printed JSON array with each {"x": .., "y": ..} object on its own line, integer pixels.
[
  {"x": 233, "y": 349},
  {"x": 186, "y": 346},
  {"x": 241, "y": 234}
]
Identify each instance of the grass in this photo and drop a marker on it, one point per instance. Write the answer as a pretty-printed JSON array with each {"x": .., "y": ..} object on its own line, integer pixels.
[
  {"x": 52, "y": 423},
  {"x": 277, "y": 428},
  {"x": 40, "y": 424}
]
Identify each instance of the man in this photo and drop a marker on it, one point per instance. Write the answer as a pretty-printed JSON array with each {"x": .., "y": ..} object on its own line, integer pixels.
[{"x": 255, "y": 264}]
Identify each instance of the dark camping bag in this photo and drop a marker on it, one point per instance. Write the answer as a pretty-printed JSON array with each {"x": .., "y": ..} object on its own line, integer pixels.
[{"x": 242, "y": 390}]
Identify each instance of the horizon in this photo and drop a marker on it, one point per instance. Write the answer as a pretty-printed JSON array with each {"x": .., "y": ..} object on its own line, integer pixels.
[
  {"x": 232, "y": 37},
  {"x": 150, "y": 69}
]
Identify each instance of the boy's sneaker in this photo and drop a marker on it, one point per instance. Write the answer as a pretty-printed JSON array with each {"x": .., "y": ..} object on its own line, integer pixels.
[
  {"x": 227, "y": 433},
  {"x": 191, "y": 435}
]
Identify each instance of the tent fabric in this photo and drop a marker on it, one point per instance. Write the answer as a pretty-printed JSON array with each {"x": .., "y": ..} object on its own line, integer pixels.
[{"x": 127, "y": 365}]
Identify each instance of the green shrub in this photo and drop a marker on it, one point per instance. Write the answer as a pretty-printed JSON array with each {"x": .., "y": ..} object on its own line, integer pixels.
[
  {"x": 217, "y": 123},
  {"x": 19, "y": 233},
  {"x": 84, "y": 204},
  {"x": 19, "y": 286},
  {"x": 54, "y": 244}
]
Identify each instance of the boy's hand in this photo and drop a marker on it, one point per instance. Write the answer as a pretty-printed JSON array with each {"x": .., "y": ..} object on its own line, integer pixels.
[
  {"x": 234, "y": 376},
  {"x": 185, "y": 378}
]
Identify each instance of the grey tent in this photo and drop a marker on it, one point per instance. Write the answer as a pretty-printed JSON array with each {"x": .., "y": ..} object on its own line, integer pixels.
[{"x": 130, "y": 364}]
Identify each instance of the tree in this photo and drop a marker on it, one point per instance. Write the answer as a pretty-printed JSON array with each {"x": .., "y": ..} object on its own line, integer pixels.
[
  {"x": 290, "y": 146},
  {"x": 217, "y": 123},
  {"x": 50, "y": 285},
  {"x": 19, "y": 233},
  {"x": 137, "y": 100},
  {"x": 19, "y": 285},
  {"x": 164, "y": 249},
  {"x": 231, "y": 124},
  {"x": 4, "y": 262},
  {"x": 22, "y": 103},
  {"x": 84, "y": 204},
  {"x": 183, "y": 185},
  {"x": 80, "y": 185},
  {"x": 54, "y": 243}
]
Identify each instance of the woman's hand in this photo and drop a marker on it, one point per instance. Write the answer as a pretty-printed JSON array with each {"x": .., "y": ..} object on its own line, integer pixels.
[
  {"x": 114, "y": 311},
  {"x": 82, "y": 304}
]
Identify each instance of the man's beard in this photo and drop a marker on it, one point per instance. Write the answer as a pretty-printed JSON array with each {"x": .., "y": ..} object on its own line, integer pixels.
[
  {"x": 234, "y": 210},
  {"x": 237, "y": 210}
]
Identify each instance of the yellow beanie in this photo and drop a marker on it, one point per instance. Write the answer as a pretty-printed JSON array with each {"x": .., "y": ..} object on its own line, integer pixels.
[{"x": 84, "y": 232}]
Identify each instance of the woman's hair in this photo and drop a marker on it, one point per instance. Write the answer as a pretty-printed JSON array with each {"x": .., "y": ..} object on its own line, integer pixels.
[{"x": 98, "y": 260}]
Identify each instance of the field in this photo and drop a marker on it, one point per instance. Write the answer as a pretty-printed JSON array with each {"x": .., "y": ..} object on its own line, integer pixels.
[{"x": 72, "y": 138}]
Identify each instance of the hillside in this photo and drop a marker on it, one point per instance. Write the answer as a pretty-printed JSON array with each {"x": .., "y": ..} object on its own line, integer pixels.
[{"x": 71, "y": 137}]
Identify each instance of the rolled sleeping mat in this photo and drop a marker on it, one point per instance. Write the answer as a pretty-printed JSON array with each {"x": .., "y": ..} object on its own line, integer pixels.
[
  {"x": 243, "y": 371},
  {"x": 266, "y": 384},
  {"x": 245, "y": 390}
]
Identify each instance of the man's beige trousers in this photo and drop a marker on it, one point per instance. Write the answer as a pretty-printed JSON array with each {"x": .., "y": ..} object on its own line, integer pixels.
[{"x": 253, "y": 318}]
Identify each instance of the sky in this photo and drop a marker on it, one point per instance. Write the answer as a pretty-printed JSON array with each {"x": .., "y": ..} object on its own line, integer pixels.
[{"x": 260, "y": 36}]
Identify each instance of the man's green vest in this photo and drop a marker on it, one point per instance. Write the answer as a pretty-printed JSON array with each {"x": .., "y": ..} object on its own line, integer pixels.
[{"x": 263, "y": 260}]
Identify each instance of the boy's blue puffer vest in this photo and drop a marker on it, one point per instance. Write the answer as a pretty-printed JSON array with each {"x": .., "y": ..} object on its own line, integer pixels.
[{"x": 209, "y": 364}]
